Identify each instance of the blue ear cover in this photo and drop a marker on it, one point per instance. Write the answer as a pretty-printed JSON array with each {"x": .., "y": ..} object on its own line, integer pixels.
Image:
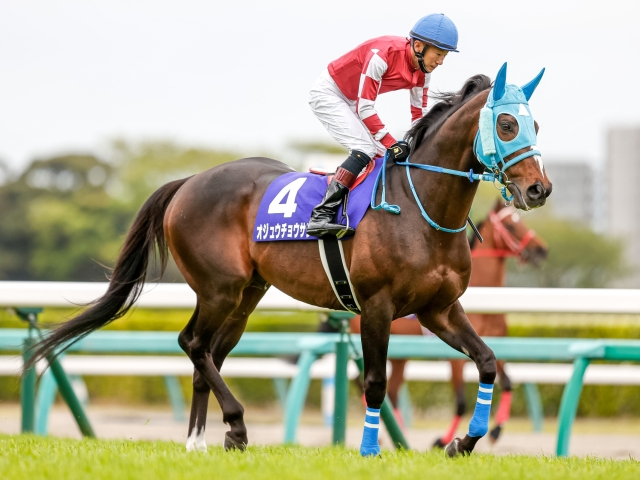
[
  {"x": 500, "y": 84},
  {"x": 529, "y": 88}
]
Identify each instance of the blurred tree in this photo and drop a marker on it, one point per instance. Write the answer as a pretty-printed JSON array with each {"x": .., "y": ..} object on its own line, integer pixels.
[
  {"x": 57, "y": 220},
  {"x": 65, "y": 216},
  {"x": 4, "y": 173},
  {"x": 578, "y": 257},
  {"x": 142, "y": 168}
]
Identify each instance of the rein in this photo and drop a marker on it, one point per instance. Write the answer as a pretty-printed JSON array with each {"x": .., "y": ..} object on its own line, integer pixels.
[
  {"x": 395, "y": 209},
  {"x": 507, "y": 244}
]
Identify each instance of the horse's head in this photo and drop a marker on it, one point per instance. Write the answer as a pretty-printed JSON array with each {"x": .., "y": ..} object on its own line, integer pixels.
[
  {"x": 514, "y": 237},
  {"x": 506, "y": 140}
]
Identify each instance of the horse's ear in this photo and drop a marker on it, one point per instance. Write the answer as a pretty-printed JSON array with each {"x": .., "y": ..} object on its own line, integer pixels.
[
  {"x": 531, "y": 86},
  {"x": 500, "y": 84}
]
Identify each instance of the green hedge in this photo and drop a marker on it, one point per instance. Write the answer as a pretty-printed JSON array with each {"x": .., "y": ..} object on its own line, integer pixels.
[{"x": 597, "y": 401}]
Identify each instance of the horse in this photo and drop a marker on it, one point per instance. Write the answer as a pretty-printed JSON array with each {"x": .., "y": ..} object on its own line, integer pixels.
[
  {"x": 505, "y": 235},
  {"x": 398, "y": 264}
]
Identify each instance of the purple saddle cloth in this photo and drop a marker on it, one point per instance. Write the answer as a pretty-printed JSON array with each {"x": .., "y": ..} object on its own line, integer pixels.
[{"x": 286, "y": 206}]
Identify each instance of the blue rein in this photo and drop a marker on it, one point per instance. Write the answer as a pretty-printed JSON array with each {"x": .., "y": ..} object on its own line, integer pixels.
[{"x": 395, "y": 209}]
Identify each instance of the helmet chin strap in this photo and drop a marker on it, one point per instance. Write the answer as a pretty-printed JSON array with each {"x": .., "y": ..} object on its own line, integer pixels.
[{"x": 420, "y": 55}]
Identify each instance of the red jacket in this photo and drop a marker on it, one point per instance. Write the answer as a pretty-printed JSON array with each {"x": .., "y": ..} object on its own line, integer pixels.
[{"x": 377, "y": 66}]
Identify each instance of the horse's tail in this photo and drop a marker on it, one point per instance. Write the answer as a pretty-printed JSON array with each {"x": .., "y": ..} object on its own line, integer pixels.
[{"x": 128, "y": 275}]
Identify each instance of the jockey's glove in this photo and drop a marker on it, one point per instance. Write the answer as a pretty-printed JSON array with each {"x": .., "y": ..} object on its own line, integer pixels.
[{"x": 399, "y": 151}]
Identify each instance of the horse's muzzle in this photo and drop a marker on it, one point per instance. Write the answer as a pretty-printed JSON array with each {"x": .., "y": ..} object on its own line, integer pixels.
[{"x": 537, "y": 194}]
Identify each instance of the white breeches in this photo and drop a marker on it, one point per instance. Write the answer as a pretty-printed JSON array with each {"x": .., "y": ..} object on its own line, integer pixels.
[{"x": 338, "y": 115}]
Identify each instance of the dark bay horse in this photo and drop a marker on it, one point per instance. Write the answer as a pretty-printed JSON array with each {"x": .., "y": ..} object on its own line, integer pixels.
[{"x": 398, "y": 264}]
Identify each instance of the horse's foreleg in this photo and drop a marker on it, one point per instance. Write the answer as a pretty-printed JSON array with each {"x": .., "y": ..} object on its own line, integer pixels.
[
  {"x": 504, "y": 407},
  {"x": 457, "y": 382},
  {"x": 375, "y": 329},
  {"x": 455, "y": 329}
]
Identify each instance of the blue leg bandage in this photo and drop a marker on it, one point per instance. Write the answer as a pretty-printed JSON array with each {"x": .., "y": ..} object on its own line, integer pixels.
[
  {"x": 480, "y": 421},
  {"x": 369, "y": 446}
]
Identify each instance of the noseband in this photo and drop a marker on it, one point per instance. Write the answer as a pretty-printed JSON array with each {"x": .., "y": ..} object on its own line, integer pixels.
[{"x": 507, "y": 245}]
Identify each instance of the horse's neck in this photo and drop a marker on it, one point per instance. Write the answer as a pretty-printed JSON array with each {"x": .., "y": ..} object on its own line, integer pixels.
[
  {"x": 446, "y": 198},
  {"x": 488, "y": 271}
]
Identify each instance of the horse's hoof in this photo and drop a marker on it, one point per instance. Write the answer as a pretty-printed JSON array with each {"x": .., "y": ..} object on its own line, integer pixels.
[
  {"x": 370, "y": 451},
  {"x": 438, "y": 444},
  {"x": 453, "y": 449},
  {"x": 231, "y": 444},
  {"x": 494, "y": 434}
]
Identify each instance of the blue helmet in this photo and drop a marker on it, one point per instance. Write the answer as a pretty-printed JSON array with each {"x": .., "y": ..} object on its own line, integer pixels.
[{"x": 436, "y": 29}]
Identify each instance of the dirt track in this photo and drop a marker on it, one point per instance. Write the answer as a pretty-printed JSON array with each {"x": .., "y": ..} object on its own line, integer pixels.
[{"x": 149, "y": 424}]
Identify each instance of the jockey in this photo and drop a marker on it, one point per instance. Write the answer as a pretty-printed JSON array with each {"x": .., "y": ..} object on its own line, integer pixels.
[{"x": 343, "y": 98}]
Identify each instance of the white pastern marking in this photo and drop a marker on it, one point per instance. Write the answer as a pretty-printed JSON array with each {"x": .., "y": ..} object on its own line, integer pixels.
[
  {"x": 523, "y": 111},
  {"x": 196, "y": 441},
  {"x": 515, "y": 218}
]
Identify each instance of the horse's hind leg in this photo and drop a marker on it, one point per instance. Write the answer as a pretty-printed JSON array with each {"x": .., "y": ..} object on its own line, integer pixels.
[
  {"x": 504, "y": 407},
  {"x": 455, "y": 329},
  {"x": 197, "y": 340},
  {"x": 394, "y": 384},
  {"x": 226, "y": 339},
  {"x": 457, "y": 381},
  {"x": 200, "y": 398}
]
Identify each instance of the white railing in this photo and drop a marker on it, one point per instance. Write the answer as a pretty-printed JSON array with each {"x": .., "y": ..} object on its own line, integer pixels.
[
  {"x": 475, "y": 299},
  {"x": 239, "y": 367}
]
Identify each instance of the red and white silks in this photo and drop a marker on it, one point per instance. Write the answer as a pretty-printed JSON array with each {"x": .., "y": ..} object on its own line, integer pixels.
[{"x": 343, "y": 98}]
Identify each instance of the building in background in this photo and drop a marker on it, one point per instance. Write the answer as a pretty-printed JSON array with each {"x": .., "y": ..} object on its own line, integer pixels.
[
  {"x": 623, "y": 197},
  {"x": 572, "y": 197}
]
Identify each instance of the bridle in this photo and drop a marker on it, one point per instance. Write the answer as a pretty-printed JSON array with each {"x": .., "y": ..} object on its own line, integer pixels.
[{"x": 507, "y": 245}]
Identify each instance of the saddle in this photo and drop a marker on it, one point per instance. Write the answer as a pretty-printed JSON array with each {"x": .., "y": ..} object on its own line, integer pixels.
[{"x": 361, "y": 177}]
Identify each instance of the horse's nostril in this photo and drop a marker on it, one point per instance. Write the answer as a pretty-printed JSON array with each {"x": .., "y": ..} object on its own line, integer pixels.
[{"x": 536, "y": 191}]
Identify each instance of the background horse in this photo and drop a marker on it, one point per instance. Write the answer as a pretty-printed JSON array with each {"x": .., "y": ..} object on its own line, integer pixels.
[
  {"x": 399, "y": 264},
  {"x": 505, "y": 235}
]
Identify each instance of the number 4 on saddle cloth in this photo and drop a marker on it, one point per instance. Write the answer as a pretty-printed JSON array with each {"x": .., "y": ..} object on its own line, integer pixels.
[{"x": 286, "y": 206}]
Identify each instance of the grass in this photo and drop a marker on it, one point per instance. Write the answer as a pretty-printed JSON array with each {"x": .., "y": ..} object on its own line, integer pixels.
[{"x": 29, "y": 457}]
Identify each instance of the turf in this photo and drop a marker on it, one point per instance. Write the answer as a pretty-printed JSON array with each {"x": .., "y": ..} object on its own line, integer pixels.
[{"x": 28, "y": 457}]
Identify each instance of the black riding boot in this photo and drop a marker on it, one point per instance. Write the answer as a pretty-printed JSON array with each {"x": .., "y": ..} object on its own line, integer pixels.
[{"x": 321, "y": 222}]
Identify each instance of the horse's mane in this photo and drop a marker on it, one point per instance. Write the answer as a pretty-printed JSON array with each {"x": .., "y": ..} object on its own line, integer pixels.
[{"x": 448, "y": 104}]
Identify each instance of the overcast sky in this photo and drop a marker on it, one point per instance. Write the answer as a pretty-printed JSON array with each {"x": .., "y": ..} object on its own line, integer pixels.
[{"x": 75, "y": 74}]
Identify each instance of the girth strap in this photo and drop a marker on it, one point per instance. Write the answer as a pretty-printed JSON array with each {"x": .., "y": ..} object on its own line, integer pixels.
[{"x": 335, "y": 266}]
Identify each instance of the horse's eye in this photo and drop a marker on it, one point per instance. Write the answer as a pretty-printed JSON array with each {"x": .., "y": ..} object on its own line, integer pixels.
[{"x": 506, "y": 126}]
